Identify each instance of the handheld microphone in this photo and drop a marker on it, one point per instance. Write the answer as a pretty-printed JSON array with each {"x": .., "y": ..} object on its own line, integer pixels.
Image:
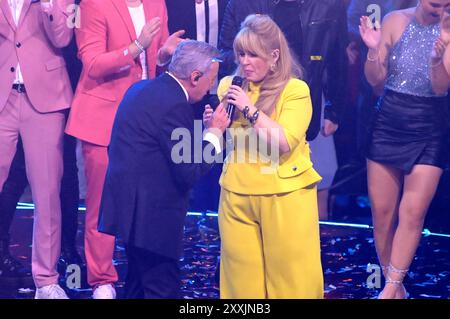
[{"x": 237, "y": 80}]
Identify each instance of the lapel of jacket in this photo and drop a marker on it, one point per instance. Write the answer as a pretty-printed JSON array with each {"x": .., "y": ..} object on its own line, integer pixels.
[
  {"x": 122, "y": 8},
  {"x": 25, "y": 8},
  {"x": 148, "y": 10},
  {"x": 175, "y": 88},
  {"x": 7, "y": 13}
]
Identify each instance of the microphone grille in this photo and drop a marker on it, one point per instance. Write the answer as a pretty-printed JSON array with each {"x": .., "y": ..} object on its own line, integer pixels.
[{"x": 237, "y": 80}]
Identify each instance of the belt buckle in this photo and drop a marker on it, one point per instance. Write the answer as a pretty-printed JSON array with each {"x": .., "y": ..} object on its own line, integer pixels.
[{"x": 20, "y": 88}]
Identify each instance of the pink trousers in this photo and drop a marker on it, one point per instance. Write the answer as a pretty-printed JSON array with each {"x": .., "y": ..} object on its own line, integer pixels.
[{"x": 99, "y": 247}]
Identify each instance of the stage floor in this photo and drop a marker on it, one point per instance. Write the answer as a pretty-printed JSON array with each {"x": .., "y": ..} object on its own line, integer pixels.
[{"x": 347, "y": 250}]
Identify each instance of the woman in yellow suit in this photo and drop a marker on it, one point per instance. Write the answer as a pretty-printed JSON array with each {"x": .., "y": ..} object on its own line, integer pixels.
[{"x": 268, "y": 216}]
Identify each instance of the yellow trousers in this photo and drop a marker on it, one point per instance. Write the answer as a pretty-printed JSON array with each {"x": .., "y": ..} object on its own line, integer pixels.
[{"x": 270, "y": 245}]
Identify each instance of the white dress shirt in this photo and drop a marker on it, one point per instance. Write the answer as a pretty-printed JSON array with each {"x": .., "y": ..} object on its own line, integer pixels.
[
  {"x": 213, "y": 23},
  {"x": 138, "y": 17}
]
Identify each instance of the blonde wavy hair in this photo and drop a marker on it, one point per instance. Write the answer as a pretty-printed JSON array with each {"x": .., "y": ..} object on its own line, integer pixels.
[{"x": 260, "y": 35}]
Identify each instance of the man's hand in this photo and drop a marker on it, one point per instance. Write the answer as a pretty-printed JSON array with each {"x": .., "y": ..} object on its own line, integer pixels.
[
  {"x": 207, "y": 115},
  {"x": 329, "y": 128},
  {"x": 149, "y": 31},
  {"x": 166, "y": 51},
  {"x": 217, "y": 120}
]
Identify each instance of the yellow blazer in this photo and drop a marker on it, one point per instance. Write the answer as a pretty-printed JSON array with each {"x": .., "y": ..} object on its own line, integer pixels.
[{"x": 261, "y": 174}]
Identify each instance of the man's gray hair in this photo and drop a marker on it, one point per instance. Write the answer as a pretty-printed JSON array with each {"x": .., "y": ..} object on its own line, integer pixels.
[{"x": 192, "y": 55}]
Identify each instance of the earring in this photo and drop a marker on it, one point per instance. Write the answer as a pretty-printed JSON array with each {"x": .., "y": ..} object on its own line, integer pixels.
[{"x": 273, "y": 67}]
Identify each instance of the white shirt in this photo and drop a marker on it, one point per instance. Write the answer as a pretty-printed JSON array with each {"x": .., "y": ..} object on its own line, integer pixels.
[
  {"x": 138, "y": 17},
  {"x": 209, "y": 137},
  {"x": 16, "y": 9},
  {"x": 213, "y": 22}
]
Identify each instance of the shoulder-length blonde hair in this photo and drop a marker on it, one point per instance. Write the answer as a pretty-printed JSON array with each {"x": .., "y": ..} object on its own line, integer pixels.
[{"x": 260, "y": 35}]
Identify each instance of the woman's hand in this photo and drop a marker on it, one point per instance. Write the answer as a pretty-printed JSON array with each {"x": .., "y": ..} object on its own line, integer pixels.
[
  {"x": 370, "y": 35},
  {"x": 438, "y": 50},
  {"x": 207, "y": 115},
  {"x": 445, "y": 28},
  {"x": 237, "y": 97},
  {"x": 440, "y": 59},
  {"x": 445, "y": 36}
]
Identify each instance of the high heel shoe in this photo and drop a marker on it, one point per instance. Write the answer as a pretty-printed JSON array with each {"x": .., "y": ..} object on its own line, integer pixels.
[{"x": 401, "y": 273}]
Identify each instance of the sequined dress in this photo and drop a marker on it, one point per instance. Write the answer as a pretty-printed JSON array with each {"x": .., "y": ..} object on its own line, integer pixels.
[{"x": 411, "y": 121}]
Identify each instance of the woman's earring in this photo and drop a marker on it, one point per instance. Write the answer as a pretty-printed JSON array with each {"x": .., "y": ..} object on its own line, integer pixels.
[{"x": 273, "y": 67}]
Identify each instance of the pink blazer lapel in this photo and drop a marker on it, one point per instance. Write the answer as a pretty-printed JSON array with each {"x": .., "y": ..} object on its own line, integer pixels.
[
  {"x": 25, "y": 8},
  {"x": 7, "y": 13},
  {"x": 147, "y": 10},
  {"x": 122, "y": 8}
]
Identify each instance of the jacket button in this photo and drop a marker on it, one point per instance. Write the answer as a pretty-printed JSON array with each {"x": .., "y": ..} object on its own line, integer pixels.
[
  {"x": 51, "y": 18},
  {"x": 18, "y": 44},
  {"x": 13, "y": 69},
  {"x": 294, "y": 168}
]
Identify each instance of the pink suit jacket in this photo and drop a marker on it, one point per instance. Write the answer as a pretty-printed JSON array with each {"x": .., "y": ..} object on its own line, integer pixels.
[
  {"x": 105, "y": 33},
  {"x": 35, "y": 43}
]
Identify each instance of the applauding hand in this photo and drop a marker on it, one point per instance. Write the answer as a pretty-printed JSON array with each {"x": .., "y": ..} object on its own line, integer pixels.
[{"x": 370, "y": 33}]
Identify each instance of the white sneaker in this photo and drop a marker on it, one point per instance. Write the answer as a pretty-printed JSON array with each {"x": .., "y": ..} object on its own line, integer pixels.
[
  {"x": 104, "y": 292},
  {"x": 50, "y": 292}
]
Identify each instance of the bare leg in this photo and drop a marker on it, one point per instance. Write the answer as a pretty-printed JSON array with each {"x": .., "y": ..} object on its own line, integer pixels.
[
  {"x": 384, "y": 184},
  {"x": 419, "y": 189}
]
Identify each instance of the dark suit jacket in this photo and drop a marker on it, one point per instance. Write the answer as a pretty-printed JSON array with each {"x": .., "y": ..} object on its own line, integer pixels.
[
  {"x": 145, "y": 196},
  {"x": 181, "y": 14}
]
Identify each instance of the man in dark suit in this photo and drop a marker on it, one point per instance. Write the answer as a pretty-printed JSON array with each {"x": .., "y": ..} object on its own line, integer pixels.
[
  {"x": 149, "y": 176},
  {"x": 201, "y": 19}
]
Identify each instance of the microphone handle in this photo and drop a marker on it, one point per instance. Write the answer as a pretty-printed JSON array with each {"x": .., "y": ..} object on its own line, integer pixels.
[{"x": 230, "y": 111}]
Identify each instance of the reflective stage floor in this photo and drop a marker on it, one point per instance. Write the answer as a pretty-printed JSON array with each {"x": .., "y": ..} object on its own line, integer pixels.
[{"x": 347, "y": 252}]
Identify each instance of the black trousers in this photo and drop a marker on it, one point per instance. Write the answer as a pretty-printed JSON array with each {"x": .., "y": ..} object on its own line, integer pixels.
[
  {"x": 151, "y": 276},
  {"x": 16, "y": 183}
]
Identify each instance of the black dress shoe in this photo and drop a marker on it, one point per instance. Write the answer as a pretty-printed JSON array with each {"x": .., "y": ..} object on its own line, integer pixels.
[
  {"x": 10, "y": 267},
  {"x": 13, "y": 273},
  {"x": 70, "y": 256}
]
